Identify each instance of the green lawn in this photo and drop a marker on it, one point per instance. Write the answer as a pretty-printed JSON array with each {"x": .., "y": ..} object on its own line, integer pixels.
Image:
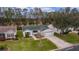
[
  {"x": 71, "y": 37},
  {"x": 28, "y": 45}
]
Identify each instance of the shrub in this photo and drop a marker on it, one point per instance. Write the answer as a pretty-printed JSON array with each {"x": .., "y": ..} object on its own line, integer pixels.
[
  {"x": 19, "y": 34},
  {"x": 65, "y": 32},
  {"x": 3, "y": 47},
  {"x": 56, "y": 34}
]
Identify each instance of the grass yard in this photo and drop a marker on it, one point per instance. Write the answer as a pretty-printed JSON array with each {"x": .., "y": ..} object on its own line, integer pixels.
[
  {"x": 71, "y": 37},
  {"x": 28, "y": 45}
]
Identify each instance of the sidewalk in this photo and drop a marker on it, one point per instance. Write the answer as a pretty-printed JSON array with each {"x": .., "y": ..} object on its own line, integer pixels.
[{"x": 34, "y": 37}]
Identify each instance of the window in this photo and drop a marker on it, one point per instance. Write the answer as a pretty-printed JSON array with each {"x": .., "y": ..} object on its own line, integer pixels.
[
  {"x": 10, "y": 35},
  {"x": 35, "y": 31},
  {"x": 1, "y": 35}
]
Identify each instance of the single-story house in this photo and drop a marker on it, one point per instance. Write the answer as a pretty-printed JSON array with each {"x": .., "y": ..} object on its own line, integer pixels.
[
  {"x": 33, "y": 29},
  {"x": 8, "y": 32}
]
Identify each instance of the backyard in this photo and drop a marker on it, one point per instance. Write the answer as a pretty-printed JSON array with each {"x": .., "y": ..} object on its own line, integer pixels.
[
  {"x": 71, "y": 37},
  {"x": 27, "y": 44}
]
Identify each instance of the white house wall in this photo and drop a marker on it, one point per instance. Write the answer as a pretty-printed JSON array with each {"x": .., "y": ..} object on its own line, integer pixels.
[{"x": 10, "y": 32}]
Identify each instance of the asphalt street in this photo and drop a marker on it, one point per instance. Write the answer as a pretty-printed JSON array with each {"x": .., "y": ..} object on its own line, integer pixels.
[{"x": 72, "y": 48}]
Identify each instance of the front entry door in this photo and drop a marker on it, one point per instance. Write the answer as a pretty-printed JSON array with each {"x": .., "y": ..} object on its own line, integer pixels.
[{"x": 27, "y": 34}]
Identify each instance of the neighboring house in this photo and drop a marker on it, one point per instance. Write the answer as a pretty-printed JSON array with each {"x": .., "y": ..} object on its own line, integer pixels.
[
  {"x": 8, "y": 32},
  {"x": 33, "y": 29},
  {"x": 74, "y": 30}
]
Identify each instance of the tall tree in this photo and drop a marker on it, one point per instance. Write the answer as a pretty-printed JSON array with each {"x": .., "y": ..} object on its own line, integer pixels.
[{"x": 9, "y": 15}]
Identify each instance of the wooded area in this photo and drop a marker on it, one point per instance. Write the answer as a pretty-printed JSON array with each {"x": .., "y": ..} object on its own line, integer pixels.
[{"x": 62, "y": 19}]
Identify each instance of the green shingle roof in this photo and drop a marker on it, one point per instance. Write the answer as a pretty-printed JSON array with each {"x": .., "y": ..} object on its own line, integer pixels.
[{"x": 35, "y": 27}]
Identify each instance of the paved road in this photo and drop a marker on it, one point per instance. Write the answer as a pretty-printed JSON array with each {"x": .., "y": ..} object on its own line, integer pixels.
[{"x": 72, "y": 48}]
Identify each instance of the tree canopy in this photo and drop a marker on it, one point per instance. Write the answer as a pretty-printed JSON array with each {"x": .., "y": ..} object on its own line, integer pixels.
[{"x": 62, "y": 19}]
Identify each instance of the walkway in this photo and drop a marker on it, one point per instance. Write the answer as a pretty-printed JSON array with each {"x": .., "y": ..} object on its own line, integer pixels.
[{"x": 34, "y": 37}]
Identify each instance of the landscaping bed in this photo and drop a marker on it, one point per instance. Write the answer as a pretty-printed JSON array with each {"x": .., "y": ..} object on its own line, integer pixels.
[{"x": 71, "y": 37}]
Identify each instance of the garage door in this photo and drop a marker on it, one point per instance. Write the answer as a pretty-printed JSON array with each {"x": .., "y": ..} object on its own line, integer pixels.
[{"x": 48, "y": 33}]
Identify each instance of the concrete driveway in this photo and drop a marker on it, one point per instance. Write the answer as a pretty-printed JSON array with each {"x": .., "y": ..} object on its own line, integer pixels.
[{"x": 57, "y": 41}]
